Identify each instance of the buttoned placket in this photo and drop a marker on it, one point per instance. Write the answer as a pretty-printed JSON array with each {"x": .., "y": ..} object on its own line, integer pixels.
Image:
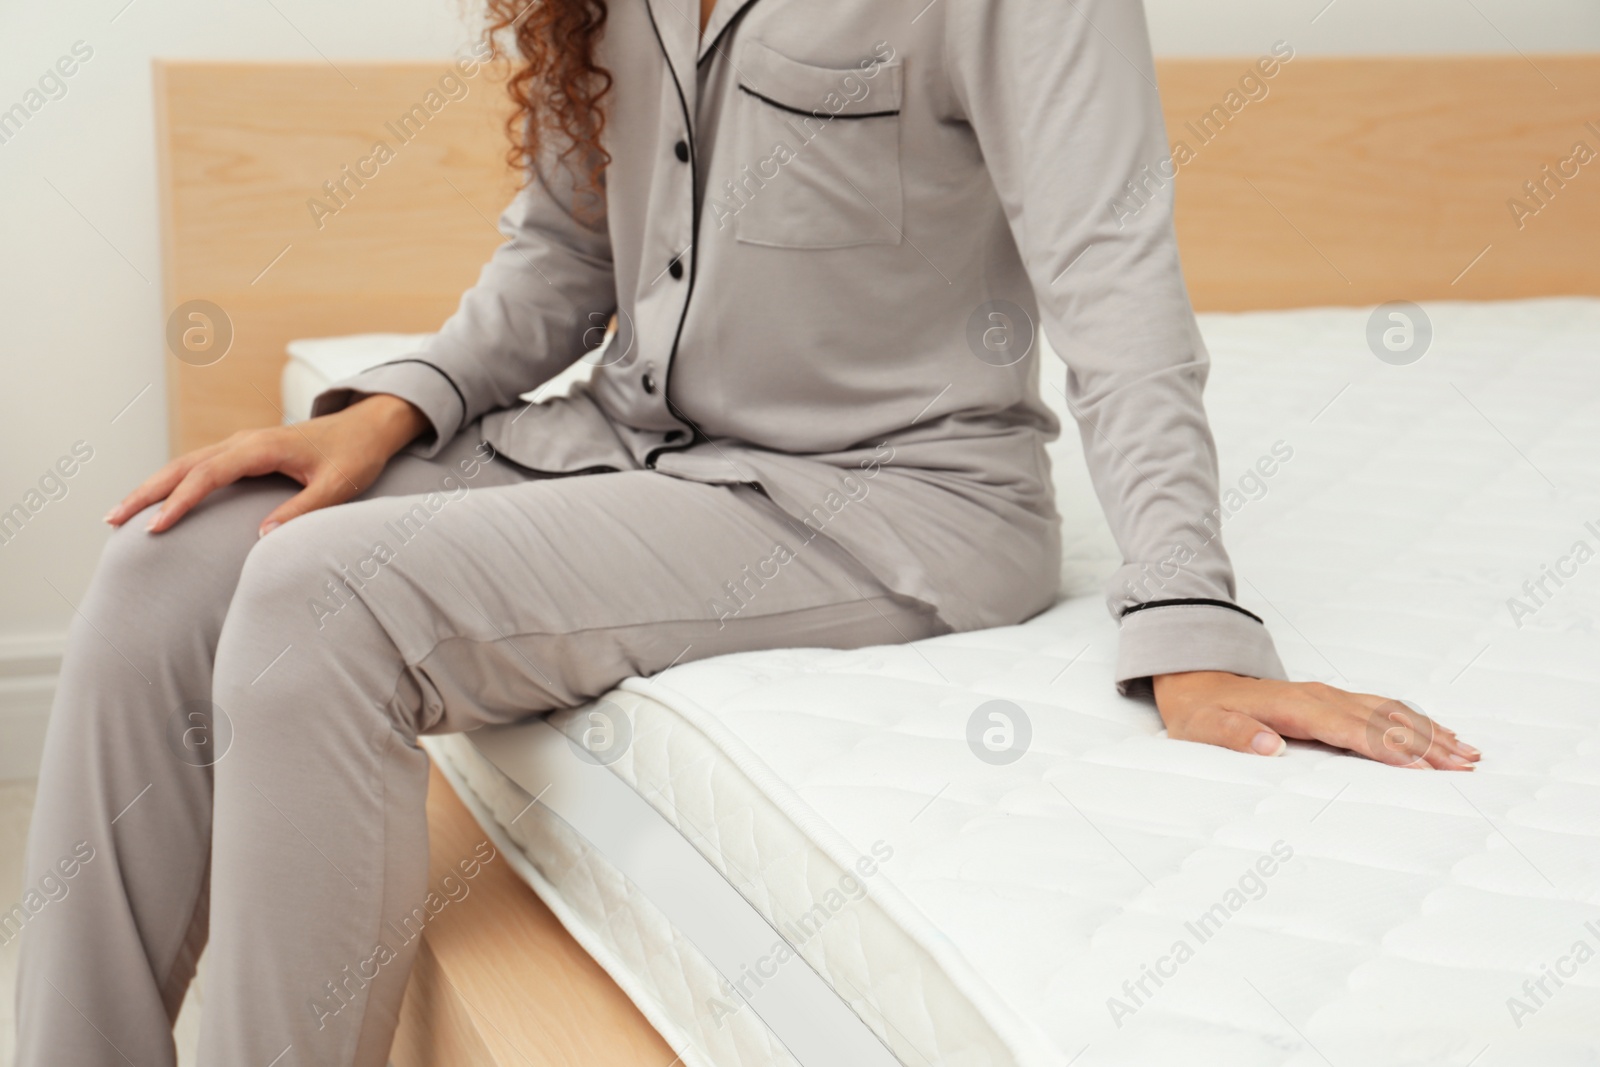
[
  {"x": 674, "y": 29},
  {"x": 675, "y": 39}
]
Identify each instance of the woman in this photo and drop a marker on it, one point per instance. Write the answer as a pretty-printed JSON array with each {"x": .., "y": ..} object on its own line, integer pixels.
[{"x": 826, "y": 229}]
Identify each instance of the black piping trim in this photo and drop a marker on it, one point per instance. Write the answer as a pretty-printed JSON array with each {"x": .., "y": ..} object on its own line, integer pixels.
[
  {"x": 707, "y": 50},
  {"x": 694, "y": 223},
  {"x": 649, "y": 10},
  {"x": 443, "y": 374},
  {"x": 1207, "y": 601},
  {"x": 816, "y": 114}
]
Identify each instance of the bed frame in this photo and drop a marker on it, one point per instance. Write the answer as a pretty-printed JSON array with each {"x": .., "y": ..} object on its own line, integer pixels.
[{"x": 1353, "y": 182}]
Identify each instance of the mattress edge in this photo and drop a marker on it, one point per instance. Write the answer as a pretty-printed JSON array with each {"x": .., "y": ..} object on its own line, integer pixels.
[
  {"x": 655, "y": 1014},
  {"x": 1028, "y": 1045}
]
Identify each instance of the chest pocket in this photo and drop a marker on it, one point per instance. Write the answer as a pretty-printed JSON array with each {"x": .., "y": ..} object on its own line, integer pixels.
[{"x": 816, "y": 160}]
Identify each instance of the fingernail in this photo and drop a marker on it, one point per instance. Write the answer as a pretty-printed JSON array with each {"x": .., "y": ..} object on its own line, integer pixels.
[
  {"x": 1460, "y": 761},
  {"x": 1468, "y": 749},
  {"x": 1268, "y": 744},
  {"x": 110, "y": 515},
  {"x": 268, "y": 528}
]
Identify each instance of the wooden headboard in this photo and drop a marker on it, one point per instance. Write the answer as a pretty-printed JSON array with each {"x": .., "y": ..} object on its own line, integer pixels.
[{"x": 1351, "y": 181}]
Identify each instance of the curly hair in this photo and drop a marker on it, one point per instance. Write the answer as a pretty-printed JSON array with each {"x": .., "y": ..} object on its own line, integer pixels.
[{"x": 557, "y": 86}]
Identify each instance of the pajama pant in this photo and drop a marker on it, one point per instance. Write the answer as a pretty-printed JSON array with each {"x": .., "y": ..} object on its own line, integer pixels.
[{"x": 233, "y": 747}]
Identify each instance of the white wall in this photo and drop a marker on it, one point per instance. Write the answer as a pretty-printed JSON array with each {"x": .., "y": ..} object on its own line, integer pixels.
[
  {"x": 80, "y": 273},
  {"x": 80, "y": 301}
]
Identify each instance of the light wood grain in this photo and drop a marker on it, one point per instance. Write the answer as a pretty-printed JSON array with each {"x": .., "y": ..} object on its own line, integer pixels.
[
  {"x": 245, "y": 146},
  {"x": 499, "y": 982},
  {"x": 1357, "y": 181}
]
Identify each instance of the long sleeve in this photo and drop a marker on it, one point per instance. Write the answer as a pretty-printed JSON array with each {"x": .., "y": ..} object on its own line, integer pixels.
[
  {"x": 526, "y": 319},
  {"x": 1061, "y": 96}
]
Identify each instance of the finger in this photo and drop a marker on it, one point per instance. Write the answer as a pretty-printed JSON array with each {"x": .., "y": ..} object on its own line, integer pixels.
[
  {"x": 1441, "y": 735},
  {"x": 1429, "y": 742},
  {"x": 1455, "y": 746},
  {"x": 1401, "y": 731},
  {"x": 1449, "y": 754},
  {"x": 1400, "y": 735},
  {"x": 1314, "y": 712},
  {"x": 158, "y": 486},
  {"x": 1230, "y": 729},
  {"x": 321, "y": 493},
  {"x": 203, "y": 479},
  {"x": 1378, "y": 727}
]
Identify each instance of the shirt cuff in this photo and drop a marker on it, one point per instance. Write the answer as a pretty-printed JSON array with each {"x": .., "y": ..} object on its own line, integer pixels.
[
  {"x": 1168, "y": 638},
  {"x": 433, "y": 391}
]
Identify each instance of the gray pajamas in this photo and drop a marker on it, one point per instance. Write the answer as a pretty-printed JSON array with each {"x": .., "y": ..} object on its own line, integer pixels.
[
  {"x": 437, "y": 602},
  {"x": 832, "y": 230},
  {"x": 831, "y": 234}
]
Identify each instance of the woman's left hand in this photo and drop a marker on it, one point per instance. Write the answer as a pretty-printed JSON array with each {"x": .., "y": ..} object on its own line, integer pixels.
[{"x": 1255, "y": 715}]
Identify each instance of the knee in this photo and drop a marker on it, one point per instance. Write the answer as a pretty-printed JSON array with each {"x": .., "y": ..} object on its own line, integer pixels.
[
  {"x": 300, "y": 585},
  {"x": 184, "y": 576},
  {"x": 300, "y": 631},
  {"x": 268, "y": 634},
  {"x": 288, "y": 572},
  {"x": 137, "y": 562},
  {"x": 147, "y": 583},
  {"x": 147, "y": 625}
]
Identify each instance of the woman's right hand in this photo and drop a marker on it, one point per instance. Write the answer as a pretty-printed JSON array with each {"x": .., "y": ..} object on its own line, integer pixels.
[
  {"x": 1256, "y": 714},
  {"x": 334, "y": 456}
]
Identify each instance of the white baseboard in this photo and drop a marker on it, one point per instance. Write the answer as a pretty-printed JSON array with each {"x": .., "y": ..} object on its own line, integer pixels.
[{"x": 29, "y": 665}]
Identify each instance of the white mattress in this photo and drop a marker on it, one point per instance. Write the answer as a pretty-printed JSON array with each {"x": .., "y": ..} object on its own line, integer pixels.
[
  {"x": 317, "y": 362},
  {"x": 1021, "y": 898}
]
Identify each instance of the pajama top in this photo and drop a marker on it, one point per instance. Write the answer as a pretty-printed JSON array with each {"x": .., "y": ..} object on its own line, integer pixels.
[{"x": 832, "y": 234}]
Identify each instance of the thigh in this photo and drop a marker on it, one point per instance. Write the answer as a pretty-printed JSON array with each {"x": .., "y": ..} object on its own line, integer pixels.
[
  {"x": 513, "y": 599},
  {"x": 157, "y": 602},
  {"x": 467, "y": 460},
  {"x": 211, "y": 542}
]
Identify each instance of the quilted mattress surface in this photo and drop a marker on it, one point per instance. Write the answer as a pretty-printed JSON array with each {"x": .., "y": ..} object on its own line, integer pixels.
[{"x": 1061, "y": 884}]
